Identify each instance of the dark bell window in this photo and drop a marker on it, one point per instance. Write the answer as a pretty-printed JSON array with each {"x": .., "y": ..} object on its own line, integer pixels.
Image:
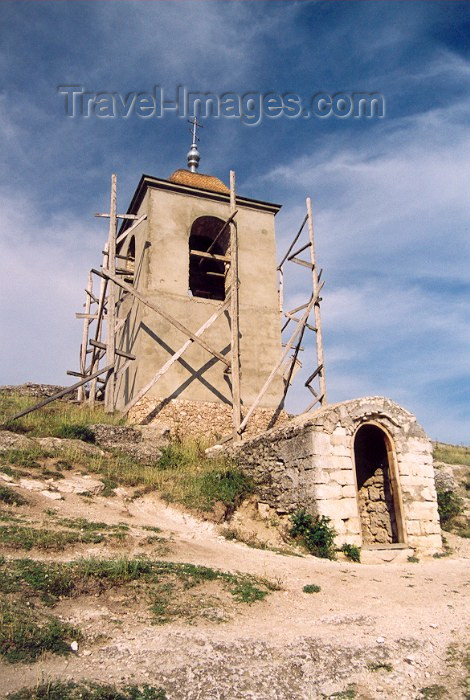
[{"x": 207, "y": 274}]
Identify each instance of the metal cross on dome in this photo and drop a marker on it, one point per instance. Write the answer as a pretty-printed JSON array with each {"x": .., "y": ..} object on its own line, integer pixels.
[{"x": 195, "y": 125}]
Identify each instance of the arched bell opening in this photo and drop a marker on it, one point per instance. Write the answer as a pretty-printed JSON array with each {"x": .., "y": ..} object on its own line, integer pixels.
[{"x": 207, "y": 248}]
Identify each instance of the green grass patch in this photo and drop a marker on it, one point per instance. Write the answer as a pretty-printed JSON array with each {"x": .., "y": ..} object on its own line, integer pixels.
[
  {"x": 87, "y": 690},
  {"x": 311, "y": 588},
  {"x": 449, "y": 505},
  {"x": 25, "y": 537},
  {"x": 26, "y": 633},
  {"x": 165, "y": 583},
  {"x": 28, "y": 459},
  {"x": 183, "y": 474},
  {"x": 11, "y": 497},
  {"x": 451, "y": 454}
]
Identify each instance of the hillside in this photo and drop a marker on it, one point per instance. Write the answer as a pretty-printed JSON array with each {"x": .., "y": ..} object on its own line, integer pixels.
[{"x": 126, "y": 570}]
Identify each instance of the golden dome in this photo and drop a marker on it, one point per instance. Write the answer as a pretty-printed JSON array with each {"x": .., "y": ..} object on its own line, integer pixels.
[{"x": 202, "y": 182}]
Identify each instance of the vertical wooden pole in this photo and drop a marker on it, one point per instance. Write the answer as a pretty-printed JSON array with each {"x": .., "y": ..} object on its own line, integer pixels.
[
  {"x": 86, "y": 324},
  {"x": 111, "y": 310},
  {"x": 99, "y": 325},
  {"x": 316, "y": 290},
  {"x": 234, "y": 316}
]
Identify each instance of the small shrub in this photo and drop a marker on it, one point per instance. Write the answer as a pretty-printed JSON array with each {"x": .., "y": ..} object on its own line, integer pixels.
[
  {"x": 433, "y": 692},
  {"x": 311, "y": 588},
  {"x": 352, "y": 552},
  {"x": 230, "y": 486},
  {"x": 316, "y": 533},
  {"x": 11, "y": 497},
  {"x": 74, "y": 431},
  {"x": 449, "y": 506},
  {"x": 412, "y": 559},
  {"x": 380, "y": 666},
  {"x": 246, "y": 592}
]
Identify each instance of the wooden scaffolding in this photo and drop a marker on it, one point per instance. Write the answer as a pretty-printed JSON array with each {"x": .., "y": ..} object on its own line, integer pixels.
[
  {"x": 99, "y": 319},
  {"x": 101, "y": 351}
]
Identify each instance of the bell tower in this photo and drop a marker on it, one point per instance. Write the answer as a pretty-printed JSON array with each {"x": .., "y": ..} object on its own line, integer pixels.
[{"x": 195, "y": 231}]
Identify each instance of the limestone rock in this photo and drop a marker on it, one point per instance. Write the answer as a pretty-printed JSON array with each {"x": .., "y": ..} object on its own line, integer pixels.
[{"x": 12, "y": 441}]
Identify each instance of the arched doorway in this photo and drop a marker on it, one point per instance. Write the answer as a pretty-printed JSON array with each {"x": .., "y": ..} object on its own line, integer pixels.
[{"x": 379, "y": 507}]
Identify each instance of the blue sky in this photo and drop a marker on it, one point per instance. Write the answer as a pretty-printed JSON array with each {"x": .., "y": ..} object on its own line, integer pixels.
[{"x": 391, "y": 195}]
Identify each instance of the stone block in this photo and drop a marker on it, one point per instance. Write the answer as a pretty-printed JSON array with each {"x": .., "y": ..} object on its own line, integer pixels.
[
  {"x": 431, "y": 528},
  {"x": 407, "y": 468},
  {"x": 339, "y": 430},
  {"x": 341, "y": 450},
  {"x": 415, "y": 481},
  {"x": 349, "y": 539},
  {"x": 428, "y": 493},
  {"x": 353, "y": 526},
  {"x": 320, "y": 442},
  {"x": 426, "y": 543},
  {"x": 417, "y": 445},
  {"x": 421, "y": 510},
  {"x": 330, "y": 490},
  {"x": 340, "y": 527},
  {"x": 413, "y": 527},
  {"x": 341, "y": 508},
  {"x": 348, "y": 491},
  {"x": 320, "y": 476},
  {"x": 299, "y": 446},
  {"x": 341, "y": 440},
  {"x": 345, "y": 477}
]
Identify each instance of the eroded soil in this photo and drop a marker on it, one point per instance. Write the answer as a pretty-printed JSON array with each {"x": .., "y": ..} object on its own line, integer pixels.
[{"x": 396, "y": 630}]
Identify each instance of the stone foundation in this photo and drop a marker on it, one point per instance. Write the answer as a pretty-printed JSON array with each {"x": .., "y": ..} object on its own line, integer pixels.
[
  {"x": 204, "y": 419},
  {"x": 310, "y": 463}
]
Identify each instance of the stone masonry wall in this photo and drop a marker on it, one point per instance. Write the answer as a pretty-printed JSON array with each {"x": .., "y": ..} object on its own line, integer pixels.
[
  {"x": 206, "y": 419},
  {"x": 309, "y": 464},
  {"x": 376, "y": 511}
]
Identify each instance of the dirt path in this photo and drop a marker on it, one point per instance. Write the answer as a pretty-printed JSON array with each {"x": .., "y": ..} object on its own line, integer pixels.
[{"x": 373, "y": 631}]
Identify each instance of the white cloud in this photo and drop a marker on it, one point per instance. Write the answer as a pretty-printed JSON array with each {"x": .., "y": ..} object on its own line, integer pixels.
[{"x": 43, "y": 269}]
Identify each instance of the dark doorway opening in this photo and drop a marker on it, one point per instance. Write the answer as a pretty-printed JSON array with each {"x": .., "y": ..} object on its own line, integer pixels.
[{"x": 375, "y": 490}]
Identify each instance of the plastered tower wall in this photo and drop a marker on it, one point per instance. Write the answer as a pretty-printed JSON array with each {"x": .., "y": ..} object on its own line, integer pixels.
[
  {"x": 162, "y": 274},
  {"x": 310, "y": 464}
]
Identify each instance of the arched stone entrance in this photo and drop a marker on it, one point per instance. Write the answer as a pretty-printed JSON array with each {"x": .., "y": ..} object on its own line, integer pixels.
[{"x": 378, "y": 504}]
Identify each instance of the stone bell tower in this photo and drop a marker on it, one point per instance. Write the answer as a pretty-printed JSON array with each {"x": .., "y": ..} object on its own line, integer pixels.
[{"x": 180, "y": 260}]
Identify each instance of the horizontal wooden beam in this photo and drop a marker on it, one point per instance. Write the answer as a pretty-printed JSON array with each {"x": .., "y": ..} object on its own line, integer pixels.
[
  {"x": 118, "y": 216},
  {"x": 211, "y": 256},
  {"x": 304, "y": 263},
  {"x": 121, "y": 353}
]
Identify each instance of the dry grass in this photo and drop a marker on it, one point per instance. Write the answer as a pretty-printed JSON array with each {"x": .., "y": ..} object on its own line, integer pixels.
[
  {"x": 51, "y": 419},
  {"x": 451, "y": 454}
]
